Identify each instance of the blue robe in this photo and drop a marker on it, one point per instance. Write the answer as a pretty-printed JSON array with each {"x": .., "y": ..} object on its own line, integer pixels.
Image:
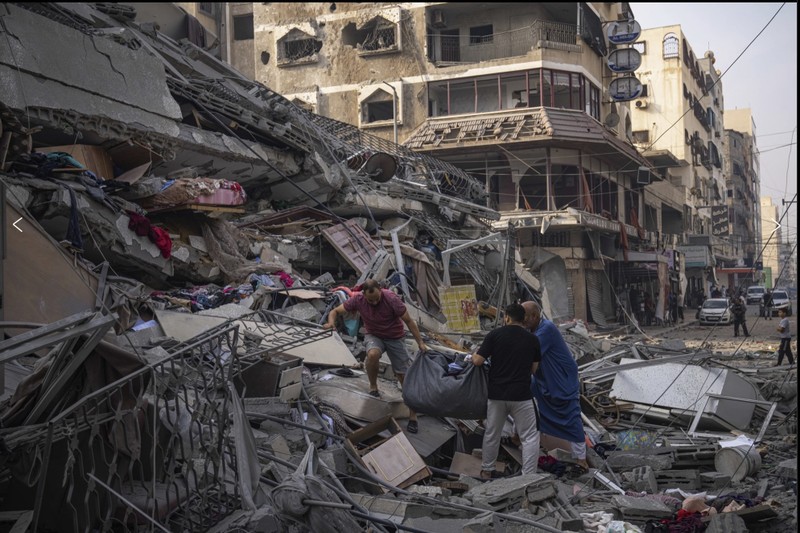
[{"x": 556, "y": 387}]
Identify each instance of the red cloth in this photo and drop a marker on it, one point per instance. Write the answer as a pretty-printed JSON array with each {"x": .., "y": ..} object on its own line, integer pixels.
[
  {"x": 382, "y": 319},
  {"x": 286, "y": 279},
  {"x": 161, "y": 239},
  {"x": 139, "y": 224}
]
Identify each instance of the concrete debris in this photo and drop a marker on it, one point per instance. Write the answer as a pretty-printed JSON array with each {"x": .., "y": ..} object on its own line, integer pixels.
[{"x": 166, "y": 354}]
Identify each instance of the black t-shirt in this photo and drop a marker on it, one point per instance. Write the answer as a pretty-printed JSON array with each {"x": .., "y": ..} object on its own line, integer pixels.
[{"x": 512, "y": 350}]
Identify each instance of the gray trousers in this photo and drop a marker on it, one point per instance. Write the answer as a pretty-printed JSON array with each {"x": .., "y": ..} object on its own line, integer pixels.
[{"x": 524, "y": 415}]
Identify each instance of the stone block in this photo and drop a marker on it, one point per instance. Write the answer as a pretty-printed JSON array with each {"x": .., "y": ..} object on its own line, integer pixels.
[
  {"x": 678, "y": 479},
  {"x": 561, "y": 514},
  {"x": 541, "y": 491},
  {"x": 483, "y": 523},
  {"x": 787, "y": 469},
  {"x": 641, "y": 479},
  {"x": 640, "y": 509},
  {"x": 714, "y": 480}
]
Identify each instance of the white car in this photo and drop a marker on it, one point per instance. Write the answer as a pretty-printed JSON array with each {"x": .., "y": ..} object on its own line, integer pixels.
[
  {"x": 715, "y": 311},
  {"x": 780, "y": 300},
  {"x": 755, "y": 294}
]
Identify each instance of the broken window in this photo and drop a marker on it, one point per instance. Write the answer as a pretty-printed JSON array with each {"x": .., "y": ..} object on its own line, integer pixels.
[
  {"x": 671, "y": 46},
  {"x": 641, "y": 136},
  {"x": 377, "y": 107},
  {"x": 243, "y": 27},
  {"x": 375, "y": 36},
  {"x": 481, "y": 34},
  {"x": 297, "y": 45}
]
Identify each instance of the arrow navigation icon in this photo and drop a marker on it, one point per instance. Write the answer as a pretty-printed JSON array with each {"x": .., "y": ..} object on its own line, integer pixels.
[{"x": 15, "y": 224}]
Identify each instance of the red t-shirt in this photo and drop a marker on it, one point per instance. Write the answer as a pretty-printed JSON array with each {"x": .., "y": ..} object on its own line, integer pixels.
[{"x": 383, "y": 319}]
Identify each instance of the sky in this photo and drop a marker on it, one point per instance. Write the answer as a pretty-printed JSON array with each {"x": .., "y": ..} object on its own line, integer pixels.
[{"x": 764, "y": 78}]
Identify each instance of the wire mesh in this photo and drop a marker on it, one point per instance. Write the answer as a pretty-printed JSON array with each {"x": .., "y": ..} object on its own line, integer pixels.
[{"x": 153, "y": 447}]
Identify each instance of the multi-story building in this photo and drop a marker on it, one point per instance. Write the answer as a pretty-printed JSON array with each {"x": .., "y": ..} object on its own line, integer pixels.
[
  {"x": 521, "y": 101},
  {"x": 677, "y": 123},
  {"x": 743, "y": 185},
  {"x": 771, "y": 241}
]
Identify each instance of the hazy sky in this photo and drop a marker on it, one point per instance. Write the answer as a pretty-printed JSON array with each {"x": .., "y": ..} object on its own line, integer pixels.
[{"x": 764, "y": 78}]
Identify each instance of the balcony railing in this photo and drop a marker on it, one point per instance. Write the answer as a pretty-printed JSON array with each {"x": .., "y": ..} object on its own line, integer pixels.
[{"x": 454, "y": 49}]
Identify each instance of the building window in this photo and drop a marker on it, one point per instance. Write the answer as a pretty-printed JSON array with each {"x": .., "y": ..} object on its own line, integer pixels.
[
  {"x": 207, "y": 7},
  {"x": 671, "y": 46},
  {"x": 378, "y": 107},
  {"x": 644, "y": 91},
  {"x": 640, "y": 47},
  {"x": 297, "y": 46},
  {"x": 534, "y": 88},
  {"x": 377, "y": 35},
  {"x": 481, "y": 34},
  {"x": 641, "y": 136},
  {"x": 243, "y": 27}
]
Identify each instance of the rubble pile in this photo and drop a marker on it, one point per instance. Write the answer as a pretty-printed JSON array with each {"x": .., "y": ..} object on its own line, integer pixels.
[{"x": 165, "y": 361}]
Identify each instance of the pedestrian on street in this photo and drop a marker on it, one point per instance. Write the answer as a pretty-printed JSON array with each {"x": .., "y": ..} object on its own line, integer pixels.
[
  {"x": 383, "y": 314},
  {"x": 785, "y": 330},
  {"x": 514, "y": 355},
  {"x": 555, "y": 385},
  {"x": 739, "y": 311},
  {"x": 767, "y": 304}
]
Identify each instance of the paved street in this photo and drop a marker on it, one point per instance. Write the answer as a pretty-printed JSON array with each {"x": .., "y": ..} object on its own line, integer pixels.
[{"x": 763, "y": 334}]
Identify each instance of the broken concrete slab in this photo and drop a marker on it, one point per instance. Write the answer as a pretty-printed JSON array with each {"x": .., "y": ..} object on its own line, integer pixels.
[
  {"x": 504, "y": 493},
  {"x": 351, "y": 395},
  {"x": 640, "y": 509},
  {"x": 727, "y": 523},
  {"x": 655, "y": 458}
]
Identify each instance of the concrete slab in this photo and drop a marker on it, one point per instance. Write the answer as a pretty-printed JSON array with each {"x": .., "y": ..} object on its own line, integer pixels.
[
  {"x": 504, "y": 493},
  {"x": 727, "y": 523},
  {"x": 643, "y": 509}
]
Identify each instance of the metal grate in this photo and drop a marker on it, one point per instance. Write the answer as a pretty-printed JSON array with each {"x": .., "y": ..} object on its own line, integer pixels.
[{"x": 154, "y": 447}]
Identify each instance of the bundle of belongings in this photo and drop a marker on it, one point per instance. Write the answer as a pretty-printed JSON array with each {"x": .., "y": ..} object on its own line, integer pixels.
[{"x": 440, "y": 385}]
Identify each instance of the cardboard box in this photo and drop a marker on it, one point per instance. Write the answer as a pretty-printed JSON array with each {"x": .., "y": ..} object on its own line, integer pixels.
[
  {"x": 391, "y": 458},
  {"x": 93, "y": 158}
]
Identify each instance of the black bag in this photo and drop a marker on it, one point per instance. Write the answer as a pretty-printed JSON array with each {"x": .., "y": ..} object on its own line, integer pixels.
[{"x": 427, "y": 388}]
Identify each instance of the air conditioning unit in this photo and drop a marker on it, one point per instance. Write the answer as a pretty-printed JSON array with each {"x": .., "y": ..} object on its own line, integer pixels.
[
  {"x": 641, "y": 104},
  {"x": 438, "y": 19}
]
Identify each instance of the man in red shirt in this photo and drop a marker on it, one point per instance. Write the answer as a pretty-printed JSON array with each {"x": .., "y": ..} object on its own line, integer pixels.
[{"x": 383, "y": 314}]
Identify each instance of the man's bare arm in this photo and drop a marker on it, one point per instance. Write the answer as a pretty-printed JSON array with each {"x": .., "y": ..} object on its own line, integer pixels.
[
  {"x": 335, "y": 312},
  {"x": 414, "y": 329}
]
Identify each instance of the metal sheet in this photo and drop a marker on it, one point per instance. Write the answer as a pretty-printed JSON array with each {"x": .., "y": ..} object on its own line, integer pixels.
[
  {"x": 353, "y": 243},
  {"x": 682, "y": 387}
]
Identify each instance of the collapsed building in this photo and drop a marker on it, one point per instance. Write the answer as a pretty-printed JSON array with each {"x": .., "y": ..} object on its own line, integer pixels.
[{"x": 174, "y": 236}]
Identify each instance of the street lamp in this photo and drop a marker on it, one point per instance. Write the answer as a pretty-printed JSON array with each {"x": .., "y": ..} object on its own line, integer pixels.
[{"x": 394, "y": 109}]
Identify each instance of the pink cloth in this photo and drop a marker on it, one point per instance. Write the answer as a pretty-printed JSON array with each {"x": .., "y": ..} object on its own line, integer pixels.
[{"x": 383, "y": 319}]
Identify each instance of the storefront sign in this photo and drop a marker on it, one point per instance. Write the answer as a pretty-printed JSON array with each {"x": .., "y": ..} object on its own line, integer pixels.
[
  {"x": 719, "y": 221},
  {"x": 624, "y": 31},
  {"x": 696, "y": 256}
]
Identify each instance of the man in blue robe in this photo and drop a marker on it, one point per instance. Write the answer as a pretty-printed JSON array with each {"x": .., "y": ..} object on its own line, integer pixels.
[{"x": 555, "y": 385}]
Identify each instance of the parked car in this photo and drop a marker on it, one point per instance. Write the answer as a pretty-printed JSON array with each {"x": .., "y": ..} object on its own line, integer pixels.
[
  {"x": 780, "y": 300},
  {"x": 715, "y": 311},
  {"x": 755, "y": 294}
]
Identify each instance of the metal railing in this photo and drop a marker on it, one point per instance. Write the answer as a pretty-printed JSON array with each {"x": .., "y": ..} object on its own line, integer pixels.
[{"x": 540, "y": 34}]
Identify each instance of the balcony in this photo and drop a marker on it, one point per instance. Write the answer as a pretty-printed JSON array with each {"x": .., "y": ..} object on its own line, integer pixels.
[{"x": 461, "y": 48}]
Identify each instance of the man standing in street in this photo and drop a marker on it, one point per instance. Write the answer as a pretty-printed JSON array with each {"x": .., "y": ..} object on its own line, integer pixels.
[
  {"x": 513, "y": 352},
  {"x": 383, "y": 314},
  {"x": 767, "y": 304},
  {"x": 786, "y": 338},
  {"x": 556, "y": 386},
  {"x": 739, "y": 311}
]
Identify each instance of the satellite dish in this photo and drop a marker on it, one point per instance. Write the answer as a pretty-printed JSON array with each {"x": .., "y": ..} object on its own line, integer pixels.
[
  {"x": 381, "y": 167},
  {"x": 611, "y": 120}
]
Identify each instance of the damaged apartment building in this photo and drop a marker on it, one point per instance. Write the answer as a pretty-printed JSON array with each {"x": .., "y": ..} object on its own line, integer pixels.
[{"x": 519, "y": 98}]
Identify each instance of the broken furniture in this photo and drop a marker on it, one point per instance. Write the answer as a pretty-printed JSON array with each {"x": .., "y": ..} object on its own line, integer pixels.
[{"x": 384, "y": 449}]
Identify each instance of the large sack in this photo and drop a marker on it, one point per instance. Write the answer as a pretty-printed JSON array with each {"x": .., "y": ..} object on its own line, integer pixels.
[{"x": 427, "y": 388}]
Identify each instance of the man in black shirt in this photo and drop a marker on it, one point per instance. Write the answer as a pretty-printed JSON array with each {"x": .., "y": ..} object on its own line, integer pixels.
[{"x": 514, "y": 354}]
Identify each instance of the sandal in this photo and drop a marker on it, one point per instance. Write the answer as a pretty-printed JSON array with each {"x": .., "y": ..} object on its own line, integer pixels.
[
  {"x": 375, "y": 393},
  {"x": 491, "y": 474},
  {"x": 412, "y": 426}
]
